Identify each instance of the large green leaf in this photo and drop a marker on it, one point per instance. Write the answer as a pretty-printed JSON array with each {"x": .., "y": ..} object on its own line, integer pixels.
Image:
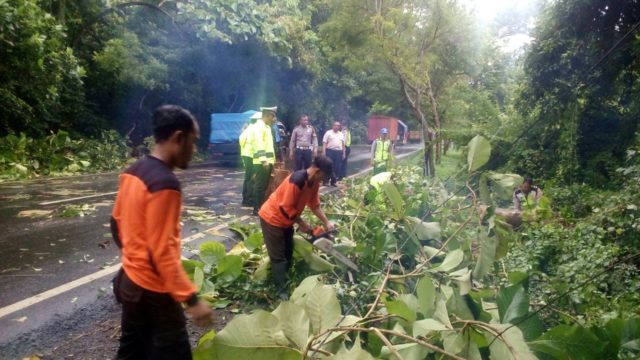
[
  {"x": 486, "y": 258},
  {"x": 395, "y": 198},
  {"x": 254, "y": 241},
  {"x": 355, "y": 353},
  {"x": 426, "y": 292},
  {"x": 424, "y": 230},
  {"x": 504, "y": 184},
  {"x": 479, "y": 152},
  {"x": 426, "y": 326},
  {"x": 400, "y": 308},
  {"x": 257, "y": 337},
  {"x": 262, "y": 270},
  {"x": 513, "y": 303},
  {"x": 441, "y": 314},
  {"x": 305, "y": 250},
  {"x": 565, "y": 342},
  {"x": 462, "y": 278},
  {"x": 451, "y": 261},
  {"x": 510, "y": 345},
  {"x": 301, "y": 293},
  {"x": 229, "y": 268},
  {"x": 410, "y": 351},
  {"x": 211, "y": 252},
  {"x": 323, "y": 308},
  {"x": 294, "y": 322}
]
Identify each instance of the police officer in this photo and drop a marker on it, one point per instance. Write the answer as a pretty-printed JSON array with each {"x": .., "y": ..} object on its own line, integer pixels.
[
  {"x": 381, "y": 150},
  {"x": 263, "y": 155},
  {"x": 303, "y": 145},
  {"x": 246, "y": 153},
  {"x": 527, "y": 194}
]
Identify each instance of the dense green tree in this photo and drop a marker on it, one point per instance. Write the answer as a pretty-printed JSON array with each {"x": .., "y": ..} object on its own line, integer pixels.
[{"x": 581, "y": 90}]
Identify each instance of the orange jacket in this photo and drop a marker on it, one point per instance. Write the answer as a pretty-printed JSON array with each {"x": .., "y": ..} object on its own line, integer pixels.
[
  {"x": 288, "y": 201},
  {"x": 146, "y": 221}
]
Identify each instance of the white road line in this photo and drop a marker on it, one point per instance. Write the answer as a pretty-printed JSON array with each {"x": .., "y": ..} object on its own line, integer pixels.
[
  {"x": 22, "y": 304},
  {"x": 77, "y": 198}
]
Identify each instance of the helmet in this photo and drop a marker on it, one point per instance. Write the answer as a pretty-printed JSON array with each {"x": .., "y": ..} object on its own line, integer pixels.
[{"x": 384, "y": 131}]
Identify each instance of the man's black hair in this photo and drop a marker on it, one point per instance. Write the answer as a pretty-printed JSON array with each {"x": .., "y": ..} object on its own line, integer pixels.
[
  {"x": 168, "y": 119},
  {"x": 324, "y": 164},
  {"x": 528, "y": 180}
]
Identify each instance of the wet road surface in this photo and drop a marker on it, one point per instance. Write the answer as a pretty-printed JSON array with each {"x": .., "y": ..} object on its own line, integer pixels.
[{"x": 56, "y": 231}]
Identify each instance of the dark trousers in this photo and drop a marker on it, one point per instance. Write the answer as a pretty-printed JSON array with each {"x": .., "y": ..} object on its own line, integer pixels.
[
  {"x": 343, "y": 168},
  {"x": 336, "y": 158},
  {"x": 247, "y": 185},
  {"x": 261, "y": 175},
  {"x": 279, "y": 243},
  {"x": 302, "y": 159},
  {"x": 153, "y": 324}
]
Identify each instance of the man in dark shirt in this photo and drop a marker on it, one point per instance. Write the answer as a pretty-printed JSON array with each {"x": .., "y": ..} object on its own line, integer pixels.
[{"x": 145, "y": 223}]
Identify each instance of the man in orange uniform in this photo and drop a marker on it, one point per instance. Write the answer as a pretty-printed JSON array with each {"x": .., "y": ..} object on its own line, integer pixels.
[
  {"x": 146, "y": 225},
  {"x": 283, "y": 209}
]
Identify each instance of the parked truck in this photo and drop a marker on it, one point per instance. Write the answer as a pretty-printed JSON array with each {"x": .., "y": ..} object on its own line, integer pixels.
[
  {"x": 398, "y": 131},
  {"x": 225, "y": 132}
]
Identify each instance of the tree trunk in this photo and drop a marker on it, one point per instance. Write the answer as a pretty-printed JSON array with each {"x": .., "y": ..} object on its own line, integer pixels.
[{"x": 436, "y": 121}]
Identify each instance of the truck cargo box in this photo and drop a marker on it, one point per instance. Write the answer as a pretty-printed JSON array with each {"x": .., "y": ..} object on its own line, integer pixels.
[{"x": 377, "y": 122}]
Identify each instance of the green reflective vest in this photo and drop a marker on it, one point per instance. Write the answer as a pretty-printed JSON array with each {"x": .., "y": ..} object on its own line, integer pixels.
[
  {"x": 262, "y": 143},
  {"x": 347, "y": 138},
  {"x": 382, "y": 151}
]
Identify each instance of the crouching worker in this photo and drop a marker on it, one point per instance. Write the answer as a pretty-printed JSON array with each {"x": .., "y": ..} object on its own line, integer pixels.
[
  {"x": 152, "y": 286},
  {"x": 284, "y": 208}
]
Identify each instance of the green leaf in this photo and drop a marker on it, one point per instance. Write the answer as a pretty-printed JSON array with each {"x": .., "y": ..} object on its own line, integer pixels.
[
  {"x": 487, "y": 256},
  {"x": 451, "y": 261},
  {"x": 462, "y": 278},
  {"x": 510, "y": 345},
  {"x": 513, "y": 303},
  {"x": 212, "y": 251},
  {"x": 198, "y": 278},
  {"x": 410, "y": 351},
  {"x": 504, "y": 184},
  {"x": 569, "y": 342},
  {"x": 441, "y": 314},
  {"x": 426, "y": 326},
  {"x": 257, "y": 337},
  {"x": 426, "y": 293},
  {"x": 424, "y": 230},
  {"x": 294, "y": 322},
  {"x": 395, "y": 198},
  {"x": 479, "y": 152},
  {"x": 400, "y": 308},
  {"x": 262, "y": 270},
  {"x": 323, "y": 308},
  {"x": 254, "y": 241},
  {"x": 301, "y": 293},
  {"x": 229, "y": 268},
  {"x": 208, "y": 337}
]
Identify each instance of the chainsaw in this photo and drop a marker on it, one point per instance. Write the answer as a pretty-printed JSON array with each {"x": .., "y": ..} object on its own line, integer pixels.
[{"x": 323, "y": 240}]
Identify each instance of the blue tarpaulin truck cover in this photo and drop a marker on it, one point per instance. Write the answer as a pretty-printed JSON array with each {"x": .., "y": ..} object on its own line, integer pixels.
[{"x": 226, "y": 127}]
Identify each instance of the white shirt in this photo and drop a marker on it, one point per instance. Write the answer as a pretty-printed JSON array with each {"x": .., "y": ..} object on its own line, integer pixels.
[{"x": 333, "y": 140}]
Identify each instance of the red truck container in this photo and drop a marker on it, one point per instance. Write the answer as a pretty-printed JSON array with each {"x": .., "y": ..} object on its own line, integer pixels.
[{"x": 398, "y": 131}]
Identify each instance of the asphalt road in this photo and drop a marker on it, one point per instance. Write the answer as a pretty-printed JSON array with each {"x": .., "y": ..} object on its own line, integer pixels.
[{"x": 58, "y": 256}]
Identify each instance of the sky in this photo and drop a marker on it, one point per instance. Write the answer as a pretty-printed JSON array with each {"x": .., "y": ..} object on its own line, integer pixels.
[{"x": 487, "y": 10}]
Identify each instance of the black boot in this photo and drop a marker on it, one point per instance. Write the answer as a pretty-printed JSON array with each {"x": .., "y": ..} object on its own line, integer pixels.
[{"x": 279, "y": 276}]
